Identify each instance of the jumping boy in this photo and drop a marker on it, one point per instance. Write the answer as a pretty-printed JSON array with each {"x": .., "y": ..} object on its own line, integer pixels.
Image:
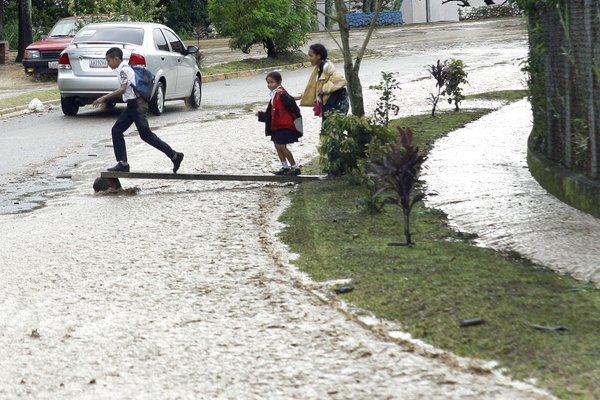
[{"x": 136, "y": 112}]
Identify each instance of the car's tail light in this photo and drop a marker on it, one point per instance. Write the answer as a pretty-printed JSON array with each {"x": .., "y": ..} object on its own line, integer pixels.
[
  {"x": 64, "y": 62},
  {"x": 137, "y": 59}
]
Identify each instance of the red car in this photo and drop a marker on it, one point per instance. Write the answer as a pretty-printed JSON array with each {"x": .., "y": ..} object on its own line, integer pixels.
[{"x": 42, "y": 57}]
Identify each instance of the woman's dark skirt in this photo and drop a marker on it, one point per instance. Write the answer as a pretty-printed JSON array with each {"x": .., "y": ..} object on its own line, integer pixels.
[{"x": 284, "y": 136}]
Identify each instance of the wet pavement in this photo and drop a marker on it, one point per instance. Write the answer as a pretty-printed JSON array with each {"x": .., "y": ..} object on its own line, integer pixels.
[
  {"x": 482, "y": 182},
  {"x": 183, "y": 290},
  {"x": 177, "y": 293}
]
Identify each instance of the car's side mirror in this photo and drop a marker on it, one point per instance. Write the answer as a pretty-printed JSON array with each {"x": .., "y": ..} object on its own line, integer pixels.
[
  {"x": 191, "y": 50},
  {"x": 44, "y": 37}
]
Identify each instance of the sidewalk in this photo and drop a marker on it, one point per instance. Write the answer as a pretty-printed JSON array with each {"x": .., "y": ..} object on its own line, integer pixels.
[{"x": 520, "y": 215}]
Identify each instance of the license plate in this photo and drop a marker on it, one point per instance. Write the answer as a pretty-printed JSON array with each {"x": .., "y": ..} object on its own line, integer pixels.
[
  {"x": 98, "y": 63},
  {"x": 53, "y": 64}
]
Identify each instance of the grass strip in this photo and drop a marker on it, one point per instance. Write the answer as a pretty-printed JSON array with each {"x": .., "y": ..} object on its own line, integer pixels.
[
  {"x": 24, "y": 99},
  {"x": 503, "y": 95},
  {"x": 255, "y": 63},
  {"x": 283, "y": 59},
  {"x": 445, "y": 278}
]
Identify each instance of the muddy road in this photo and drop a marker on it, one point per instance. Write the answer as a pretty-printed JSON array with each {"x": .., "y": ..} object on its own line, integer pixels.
[{"x": 183, "y": 291}]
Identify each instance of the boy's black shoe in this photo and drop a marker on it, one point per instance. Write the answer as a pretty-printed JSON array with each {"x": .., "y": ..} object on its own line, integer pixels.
[
  {"x": 119, "y": 168},
  {"x": 177, "y": 162},
  {"x": 294, "y": 172},
  {"x": 282, "y": 171}
]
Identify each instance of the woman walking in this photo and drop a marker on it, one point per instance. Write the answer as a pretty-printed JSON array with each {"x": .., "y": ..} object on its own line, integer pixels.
[{"x": 326, "y": 88}]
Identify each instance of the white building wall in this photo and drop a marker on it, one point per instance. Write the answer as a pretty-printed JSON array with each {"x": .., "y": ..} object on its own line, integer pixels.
[{"x": 416, "y": 11}]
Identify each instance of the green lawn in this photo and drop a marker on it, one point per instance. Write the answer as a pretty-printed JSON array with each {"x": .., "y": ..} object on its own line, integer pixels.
[{"x": 430, "y": 287}]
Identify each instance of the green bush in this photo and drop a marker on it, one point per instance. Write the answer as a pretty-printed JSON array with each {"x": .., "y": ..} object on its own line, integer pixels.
[
  {"x": 456, "y": 77},
  {"x": 11, "y": 33},
  {"x": 350, "y": 140},
  {"x": 386, "y": 104},
  {"x": 278, "y": 25},
  {"x": 140, "y": 10}
]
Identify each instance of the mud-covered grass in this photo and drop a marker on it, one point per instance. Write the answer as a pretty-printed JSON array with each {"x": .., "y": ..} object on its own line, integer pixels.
[
  {"x": 24, "y": 99},
  {"x": 445, "y": 278},
  {"x": 255, "y": 63},
  {"x": 503, "y": 95},
  {"x": 290, "y": 58},
  {"x": 12, "y": 75}
]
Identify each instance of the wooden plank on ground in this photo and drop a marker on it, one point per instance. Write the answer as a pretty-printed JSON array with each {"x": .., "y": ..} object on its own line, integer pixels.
[{"x": 210, "y": 177}]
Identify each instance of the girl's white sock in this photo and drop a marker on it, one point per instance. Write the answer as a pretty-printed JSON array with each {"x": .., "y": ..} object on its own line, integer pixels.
[
  {"x": 296, "y": 166},
  {"x": 285, "y": 164}
]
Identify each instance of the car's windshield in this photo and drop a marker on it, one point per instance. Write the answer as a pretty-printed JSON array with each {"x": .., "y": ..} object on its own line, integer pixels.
[
  {"x": 66, "y": 28},
  {"x": 95, "y": 34}
]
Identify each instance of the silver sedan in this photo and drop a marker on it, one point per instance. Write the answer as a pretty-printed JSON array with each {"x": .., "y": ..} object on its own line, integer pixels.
[{"x": 84, "y": 76}]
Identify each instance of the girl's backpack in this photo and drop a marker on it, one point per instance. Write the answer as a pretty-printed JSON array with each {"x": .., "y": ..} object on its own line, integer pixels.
[{"x": 144, "y": 82}]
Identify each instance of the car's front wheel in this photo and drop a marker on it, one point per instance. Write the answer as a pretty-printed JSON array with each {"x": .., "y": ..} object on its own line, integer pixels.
[
  {"x": 157, "y": 104},
  {"x": 69, "y": 106},
  {"x": 196, "y": 97}
]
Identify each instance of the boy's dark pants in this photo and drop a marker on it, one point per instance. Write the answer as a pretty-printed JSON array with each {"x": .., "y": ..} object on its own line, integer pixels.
[{"x": 136, "y": 112}]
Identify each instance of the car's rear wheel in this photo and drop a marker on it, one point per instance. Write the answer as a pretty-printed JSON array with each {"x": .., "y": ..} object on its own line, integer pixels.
[
  {"x": 69, "y": 106},
  {"x": 196, "y": 97},
  {"x": 157, "y": 104}
]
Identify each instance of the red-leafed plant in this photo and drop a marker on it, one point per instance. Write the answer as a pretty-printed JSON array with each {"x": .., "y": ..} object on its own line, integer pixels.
[
  {"x": 439, "y": 72},
  {"x": 396, "y": 175}
]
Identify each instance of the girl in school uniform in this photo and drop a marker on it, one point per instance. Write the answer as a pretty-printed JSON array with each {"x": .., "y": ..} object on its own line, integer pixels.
[{"x": 279, "y": 119}]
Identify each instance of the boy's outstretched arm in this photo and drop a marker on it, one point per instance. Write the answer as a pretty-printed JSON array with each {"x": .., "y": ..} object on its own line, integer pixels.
[{"x": 117, "y": 93}]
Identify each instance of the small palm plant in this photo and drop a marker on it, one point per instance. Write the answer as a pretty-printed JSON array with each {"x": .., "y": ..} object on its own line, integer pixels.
[
  {"x": 396, "y": 175},
  {"x": 439, "y": 72}
]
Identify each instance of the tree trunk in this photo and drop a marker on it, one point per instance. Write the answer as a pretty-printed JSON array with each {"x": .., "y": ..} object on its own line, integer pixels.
[
  {"x": 328, "y": 22},
  {"x": 25, "y": 28},
  {"x": 271, "y": 48},
  {"x": 352, "y": 68},
  {"x": 407, "y": 234},
  {"x": 435, "y": 100},
  {"x": 589, "y": 70},
  {"x": 1, "y": 19}
]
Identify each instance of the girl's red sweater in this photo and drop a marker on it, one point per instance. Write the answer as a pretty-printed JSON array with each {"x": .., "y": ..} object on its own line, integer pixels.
[{"x": 281, "y": 117}]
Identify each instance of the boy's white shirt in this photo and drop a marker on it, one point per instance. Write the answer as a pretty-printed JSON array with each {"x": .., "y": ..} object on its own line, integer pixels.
[{"x": 126, "y": 76}]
